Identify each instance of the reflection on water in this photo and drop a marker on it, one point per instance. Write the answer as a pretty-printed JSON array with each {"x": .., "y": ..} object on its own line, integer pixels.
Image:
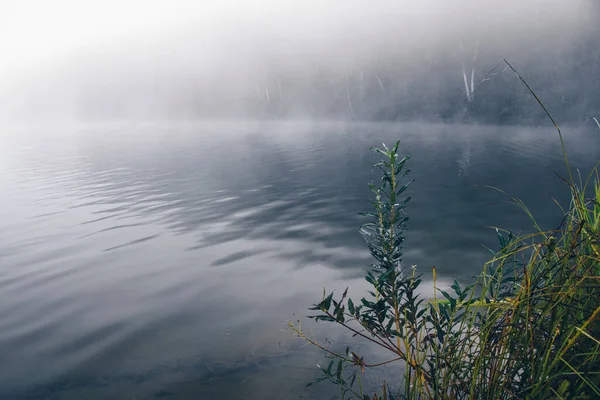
[
  {"x": 162, "y": 260},
  {"x": 465, "y": 160}
]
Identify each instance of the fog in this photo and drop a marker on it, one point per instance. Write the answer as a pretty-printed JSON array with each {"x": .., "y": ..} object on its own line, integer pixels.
[{"x": 350, "y": 60}]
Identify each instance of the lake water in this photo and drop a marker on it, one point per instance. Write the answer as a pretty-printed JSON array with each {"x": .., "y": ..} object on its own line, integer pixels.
[{"x": 143, "y": 261}]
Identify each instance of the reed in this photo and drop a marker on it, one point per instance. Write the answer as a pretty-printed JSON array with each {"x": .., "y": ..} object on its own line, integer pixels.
[{"x": 528, "y": 327}]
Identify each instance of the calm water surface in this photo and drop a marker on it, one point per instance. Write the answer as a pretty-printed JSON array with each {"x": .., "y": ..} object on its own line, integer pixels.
[{"x": 143, "y": 261}]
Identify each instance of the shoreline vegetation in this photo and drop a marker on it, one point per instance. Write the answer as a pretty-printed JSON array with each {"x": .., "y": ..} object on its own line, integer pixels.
[{"x": 528, "y": 327}]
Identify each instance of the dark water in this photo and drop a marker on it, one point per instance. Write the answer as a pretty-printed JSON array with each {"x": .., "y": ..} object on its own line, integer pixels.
[{"x": 162, "y": 260}]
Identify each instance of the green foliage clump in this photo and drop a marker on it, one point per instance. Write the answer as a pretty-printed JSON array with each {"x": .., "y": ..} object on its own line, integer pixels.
[{"x": 528, "y": 327}]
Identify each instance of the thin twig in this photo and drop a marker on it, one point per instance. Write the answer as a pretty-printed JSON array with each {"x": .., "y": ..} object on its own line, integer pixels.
[{"x": 535, "y": 96}]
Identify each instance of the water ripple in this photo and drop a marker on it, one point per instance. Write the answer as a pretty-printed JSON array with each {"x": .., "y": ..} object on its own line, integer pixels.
[{"x": 125, "y": 253}]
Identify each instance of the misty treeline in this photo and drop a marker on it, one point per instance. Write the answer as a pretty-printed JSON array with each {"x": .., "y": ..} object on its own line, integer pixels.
[
  {"x": 440, "y": 87},
  {"x": 381, "y": 68}
]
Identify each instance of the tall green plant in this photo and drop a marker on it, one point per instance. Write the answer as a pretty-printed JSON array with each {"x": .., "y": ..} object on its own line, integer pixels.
[{"x": 385, "y": 317}]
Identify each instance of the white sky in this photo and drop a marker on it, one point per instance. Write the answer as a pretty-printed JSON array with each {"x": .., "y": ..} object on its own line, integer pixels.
[
  {"x": 33, "y": 31},
  {"x": 37, "y": 33}
]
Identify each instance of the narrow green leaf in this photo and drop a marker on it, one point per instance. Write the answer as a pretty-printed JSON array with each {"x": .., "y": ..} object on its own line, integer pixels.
[
  {"x": 326, "y": 304},
  {"x": 351, "y": 306},
  {"x": 330, "y": 366}
]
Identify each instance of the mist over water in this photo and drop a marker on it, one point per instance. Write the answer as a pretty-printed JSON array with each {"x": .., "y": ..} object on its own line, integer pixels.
[
  {"x": 178, "y": 179},
  {"x": 396, "y": 60}
]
